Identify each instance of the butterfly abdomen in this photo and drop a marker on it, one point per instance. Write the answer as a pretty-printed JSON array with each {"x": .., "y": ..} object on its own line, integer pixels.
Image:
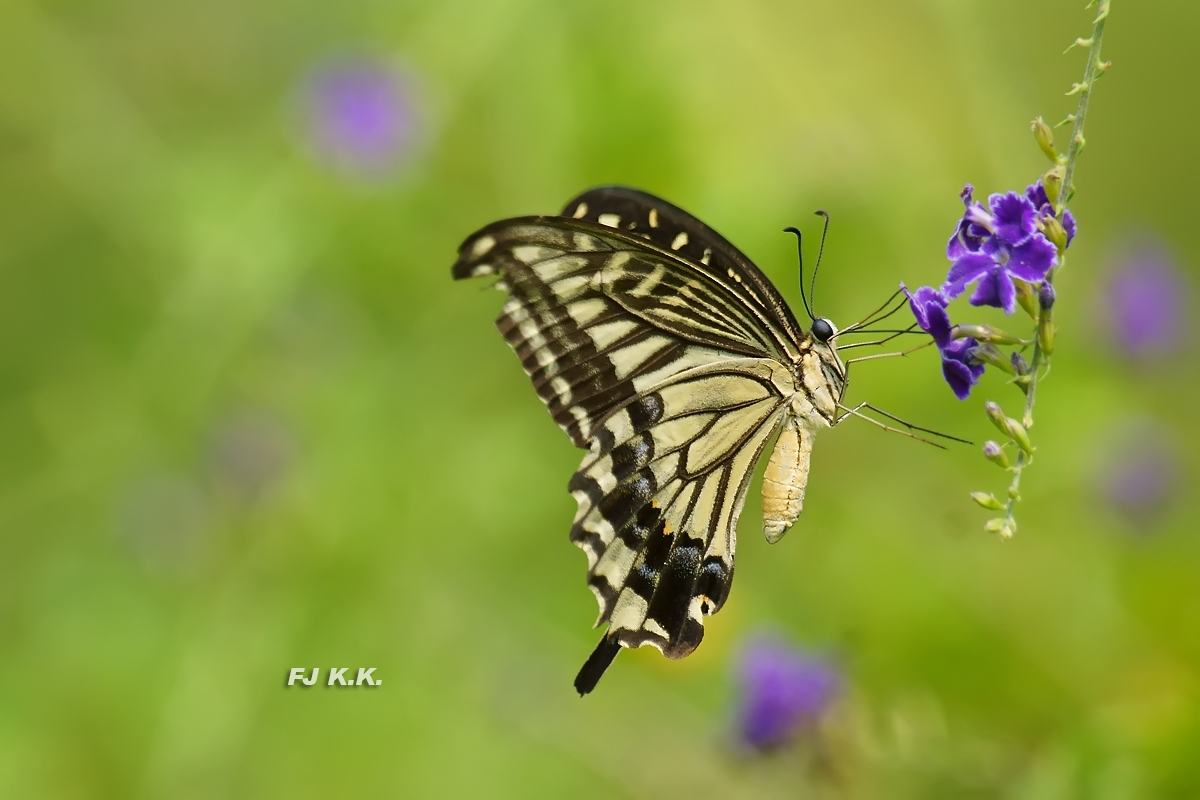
[{"x": 785, "y": 479}]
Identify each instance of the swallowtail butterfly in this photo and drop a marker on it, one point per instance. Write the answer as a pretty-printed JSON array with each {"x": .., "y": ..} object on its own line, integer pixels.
[{"x": 666, "y": 354}]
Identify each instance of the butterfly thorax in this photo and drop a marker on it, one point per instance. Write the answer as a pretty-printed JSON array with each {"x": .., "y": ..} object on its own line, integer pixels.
[{"x": 820, "y": 383}]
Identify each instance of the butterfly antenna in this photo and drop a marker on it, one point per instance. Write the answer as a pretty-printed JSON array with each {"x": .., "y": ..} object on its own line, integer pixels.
[
  {"x": 812, "y": 287},
  {"x": 800, "y": 255}
]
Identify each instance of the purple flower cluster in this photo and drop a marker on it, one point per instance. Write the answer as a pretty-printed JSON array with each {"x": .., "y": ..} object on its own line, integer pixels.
[
  {"x": 782, "y": 691},
  {"x": 361, "y": 115},
  {"x": 1001, "y": 241},
  {"x": 992, "y": 246}
]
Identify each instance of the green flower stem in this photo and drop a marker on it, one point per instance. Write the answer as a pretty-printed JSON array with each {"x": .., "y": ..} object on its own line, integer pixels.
[{"x": 1093, "y": 69}]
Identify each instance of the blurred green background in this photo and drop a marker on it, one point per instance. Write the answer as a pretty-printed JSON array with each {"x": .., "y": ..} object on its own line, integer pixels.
[{"x": 248, "y": 423}]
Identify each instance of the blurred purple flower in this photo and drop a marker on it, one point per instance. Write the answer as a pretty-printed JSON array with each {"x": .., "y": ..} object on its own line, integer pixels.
[
  {"x": 360, "y": 114},
  {"x": 249, "y": 453},
  {"x": 782, "y": 692},
  {"x": 1146, "y": 298},
  {"x": 1140, "y": 480}
]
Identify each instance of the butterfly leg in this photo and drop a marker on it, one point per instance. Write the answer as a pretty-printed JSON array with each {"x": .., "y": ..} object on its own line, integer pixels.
[{"x": 857, "y": 412}]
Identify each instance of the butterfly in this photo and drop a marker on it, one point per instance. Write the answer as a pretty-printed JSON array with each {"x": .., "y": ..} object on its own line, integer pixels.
[{"x": 661, "y": 349}]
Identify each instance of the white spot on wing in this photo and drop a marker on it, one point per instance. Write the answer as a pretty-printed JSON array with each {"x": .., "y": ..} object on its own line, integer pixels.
[
  {"x": 560, "y": 386},
  {"x": 655, "y": 628},
  {"x": 482, "y": 245},
  {"x": 580, "y": 211},
  {"x": 532, "y": 253},
  {"x": 679, "y": 241},
  {"x": 654, "y": 218},
  {"x": 611, "y": 220}
]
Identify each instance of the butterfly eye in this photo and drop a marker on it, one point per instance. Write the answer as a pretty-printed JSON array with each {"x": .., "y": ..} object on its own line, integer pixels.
[{"x": 822, "y": 330}]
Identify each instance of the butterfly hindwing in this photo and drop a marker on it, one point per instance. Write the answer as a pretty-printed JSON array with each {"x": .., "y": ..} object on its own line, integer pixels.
[{"x": 659, "y": 497}]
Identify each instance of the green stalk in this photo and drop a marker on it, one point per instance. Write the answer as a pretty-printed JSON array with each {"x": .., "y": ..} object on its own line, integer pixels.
[{"x": 1093, "y": 69}]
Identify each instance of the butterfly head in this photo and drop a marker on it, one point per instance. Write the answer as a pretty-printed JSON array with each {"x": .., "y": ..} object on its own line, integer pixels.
[
  {"x": 823, "y": 330},
  {"x": 824, "y": 372}
]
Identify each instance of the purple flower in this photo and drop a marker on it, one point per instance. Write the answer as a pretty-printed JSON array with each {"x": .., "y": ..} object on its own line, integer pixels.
[
  {"x": 782, "y": 691},
  {"x": 360, "y": 115},
  {"x": 995, "y": 244},
  {"x": 1146, "y": 302},
  {"x": 959, "y": 369},
  {"x": 929, "y": 307}
]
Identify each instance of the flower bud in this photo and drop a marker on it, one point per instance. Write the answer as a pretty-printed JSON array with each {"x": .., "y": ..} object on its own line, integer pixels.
[
  {"x": 993, "y": 452},
  {"x": 1027, "y": 298},
  {"x": 1045, "y": 138},
  {"x": 1046, "y": 294},
  {"x": 1019, "y": 435},
  {"x": 1052, "y": 182},
  {"x": 1053, "y": 230},
  {"x": 996, "y": 414},
  {"x": 988, "y": 353},
  {"x": 1008, "y": 426},
  {"x": 1003, "y": 527},
  {"x": 983, "y": 333},
  {"x": 1020, "y": 368},
  {"x": 987, "y": 500},
  {"x": 1046, "y": 333}
]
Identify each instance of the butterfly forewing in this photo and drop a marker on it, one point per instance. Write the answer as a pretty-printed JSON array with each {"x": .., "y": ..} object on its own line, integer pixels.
[
  {"x": 670, "y": 227},
  {"x": 661, "y": 349},
  {"x": 596, "y": 315}
]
